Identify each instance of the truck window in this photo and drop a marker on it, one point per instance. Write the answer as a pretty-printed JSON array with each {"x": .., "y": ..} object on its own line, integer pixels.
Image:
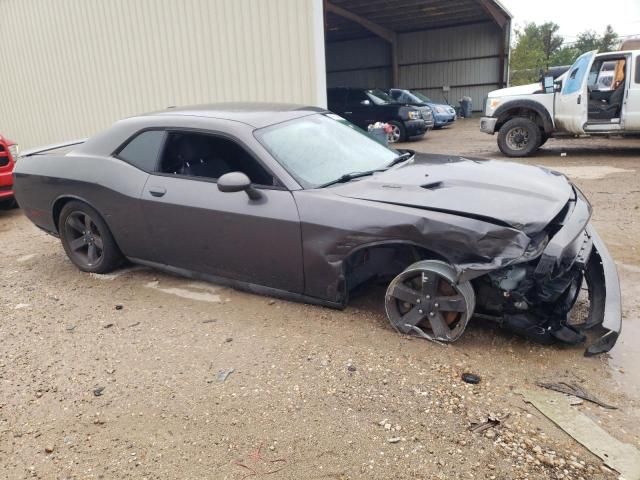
[{"x": 576, "y": 75}]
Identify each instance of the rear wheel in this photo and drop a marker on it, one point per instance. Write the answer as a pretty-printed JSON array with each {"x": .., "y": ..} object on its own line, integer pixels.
[
  {"x": 87, "y": 240},
  {"x": 398, "y": 132},
  {"x": 519, "y": 137}
]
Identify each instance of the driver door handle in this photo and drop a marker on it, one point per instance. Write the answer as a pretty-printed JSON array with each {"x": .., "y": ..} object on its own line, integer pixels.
[
  {"x": 157, "y": 191},
  {"x": 579, "y": 99}
]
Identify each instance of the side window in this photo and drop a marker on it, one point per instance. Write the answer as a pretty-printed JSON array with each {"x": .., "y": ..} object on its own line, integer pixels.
[
  {"x": 143, "y": 151},
  {"x": 207, "y": 156},
  {"x": 356, "y": 97},
  {"x": 638, "y": 69}
]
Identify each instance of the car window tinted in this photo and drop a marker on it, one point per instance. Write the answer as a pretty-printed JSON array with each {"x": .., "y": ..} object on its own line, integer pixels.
[
  {"x": 208, "y": 156},
  {"x": 143, "y": 151},
  {"x": 356, "y": 96},
  {"x": 422, "y": 97},
  {"x": 638, "y": 69},
  {"x": 318, "y": 149},
  {"x": 378, "y": 97}
]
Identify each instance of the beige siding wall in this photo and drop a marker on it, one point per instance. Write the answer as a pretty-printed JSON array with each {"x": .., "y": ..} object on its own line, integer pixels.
[{"x": 69, "y": 68}]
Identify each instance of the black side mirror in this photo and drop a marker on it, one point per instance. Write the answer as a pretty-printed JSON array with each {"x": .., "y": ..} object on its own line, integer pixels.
[{"x": 238, "y": 182}]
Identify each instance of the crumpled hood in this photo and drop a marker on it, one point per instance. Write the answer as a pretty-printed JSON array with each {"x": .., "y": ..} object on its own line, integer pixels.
[{"x": 521, "y": 196}]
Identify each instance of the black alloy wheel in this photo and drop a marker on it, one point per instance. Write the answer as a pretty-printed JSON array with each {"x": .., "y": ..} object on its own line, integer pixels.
[{"x": 87, "y": 239}]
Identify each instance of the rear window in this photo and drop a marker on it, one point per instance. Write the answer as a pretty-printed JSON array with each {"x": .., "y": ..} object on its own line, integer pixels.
[{"x": 143, "y": 151}]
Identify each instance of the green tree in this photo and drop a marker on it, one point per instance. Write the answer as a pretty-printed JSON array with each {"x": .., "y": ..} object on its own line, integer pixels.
[
  {"x": 535, "y": 48},
  {"x": 590, "y": 40},
  {"x": 564, "y": 56},
  {"x": 538, "y": 47}
]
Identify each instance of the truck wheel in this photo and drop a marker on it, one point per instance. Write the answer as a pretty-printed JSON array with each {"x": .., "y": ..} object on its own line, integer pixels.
[
  {"x": 519, "y": 137},
  {"x": 398, "y": 133}
]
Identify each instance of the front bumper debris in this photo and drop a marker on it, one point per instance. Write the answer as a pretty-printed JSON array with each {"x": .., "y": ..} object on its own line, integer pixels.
[
  {"x": 606, "y": 308},
  {"x": 575, "y": 245}
]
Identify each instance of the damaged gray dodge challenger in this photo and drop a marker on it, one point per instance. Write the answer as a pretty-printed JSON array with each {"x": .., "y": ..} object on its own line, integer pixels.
[{"x": 296, "y": 202}]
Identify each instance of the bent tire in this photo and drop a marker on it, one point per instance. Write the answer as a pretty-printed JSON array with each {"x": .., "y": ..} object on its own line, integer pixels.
[
  {"x": 87, "y": 240},
  {"x": 398, "y": 132},
  {"x": 519, "y": 137}
]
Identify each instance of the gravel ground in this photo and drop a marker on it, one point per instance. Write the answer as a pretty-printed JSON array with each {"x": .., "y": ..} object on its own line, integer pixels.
[{"x": 119, "y": 376}]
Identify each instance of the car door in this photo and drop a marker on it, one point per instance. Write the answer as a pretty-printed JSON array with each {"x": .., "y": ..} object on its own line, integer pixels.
[
  {"x": 336, "y": 98},
  {"x": 196, "y": 227},
  {"x": 572, "y": 102},
  {"x": 360, "y": 110},
  {"x": 632, "y": 108}
]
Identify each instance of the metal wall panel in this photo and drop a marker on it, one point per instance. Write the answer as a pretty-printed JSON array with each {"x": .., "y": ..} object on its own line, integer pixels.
[
  {"x": 363, "y": 62},
  {"x": 445, "y": 44},
  {"x": 466, "y": 58},
  {"x": 70, "y": 68}
]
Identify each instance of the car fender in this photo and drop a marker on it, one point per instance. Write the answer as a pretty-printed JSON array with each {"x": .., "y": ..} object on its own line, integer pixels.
[{"x": 58, "y": 204}]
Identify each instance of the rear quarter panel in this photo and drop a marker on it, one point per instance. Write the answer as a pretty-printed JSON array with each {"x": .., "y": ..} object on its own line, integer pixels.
[{"x": 109, "y": 185}]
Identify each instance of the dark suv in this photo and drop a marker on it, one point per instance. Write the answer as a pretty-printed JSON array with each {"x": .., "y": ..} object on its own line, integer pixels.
[{"x": 364, "y": 107}]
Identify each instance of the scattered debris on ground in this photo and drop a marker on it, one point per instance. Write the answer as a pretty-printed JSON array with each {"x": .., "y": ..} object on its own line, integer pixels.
[
  {"x": 575, "y": 391},
  {"x": 471, "y": 378},
  {"x": 622, "y": 457}
]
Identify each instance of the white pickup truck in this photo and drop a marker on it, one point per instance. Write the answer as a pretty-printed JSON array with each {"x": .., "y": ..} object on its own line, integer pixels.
[{"x": 598, "y": 95}]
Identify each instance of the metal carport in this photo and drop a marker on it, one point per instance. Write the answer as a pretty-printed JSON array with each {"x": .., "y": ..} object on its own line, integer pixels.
[{"x": 445, "y": 49}]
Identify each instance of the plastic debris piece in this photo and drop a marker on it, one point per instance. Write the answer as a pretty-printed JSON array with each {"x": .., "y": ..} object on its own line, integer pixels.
[
  {"x": 471, "y": 378},
  {"x": 574, "y": 390},
  {"x": 224, "y": 374}
]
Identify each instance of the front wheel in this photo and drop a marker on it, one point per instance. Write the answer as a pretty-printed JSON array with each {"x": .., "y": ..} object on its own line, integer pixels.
[
  {"x": 87, "y": 240},
  {"x": 519, "y": 137},
  {"x": 426, "y": 300},
  {"x": 398, "y": 132}
]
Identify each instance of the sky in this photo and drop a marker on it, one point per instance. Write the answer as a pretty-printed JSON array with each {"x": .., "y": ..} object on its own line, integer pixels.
[{"x": 575, "y": 16}]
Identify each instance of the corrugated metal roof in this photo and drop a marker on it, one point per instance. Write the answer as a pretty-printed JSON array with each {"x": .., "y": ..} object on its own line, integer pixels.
[{"x": 407, "y": 15}]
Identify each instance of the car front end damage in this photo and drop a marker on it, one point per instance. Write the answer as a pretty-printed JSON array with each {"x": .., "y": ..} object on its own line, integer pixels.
[
  {"x": 564, "y": 287},
  {"x": 571, "y": 288}
]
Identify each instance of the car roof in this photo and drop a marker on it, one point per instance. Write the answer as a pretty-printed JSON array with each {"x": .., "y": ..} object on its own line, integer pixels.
[{"x": 255, "y": 114}]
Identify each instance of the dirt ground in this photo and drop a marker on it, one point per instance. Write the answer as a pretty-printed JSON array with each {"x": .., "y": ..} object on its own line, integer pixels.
[{"x": 118, "y": 376}]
